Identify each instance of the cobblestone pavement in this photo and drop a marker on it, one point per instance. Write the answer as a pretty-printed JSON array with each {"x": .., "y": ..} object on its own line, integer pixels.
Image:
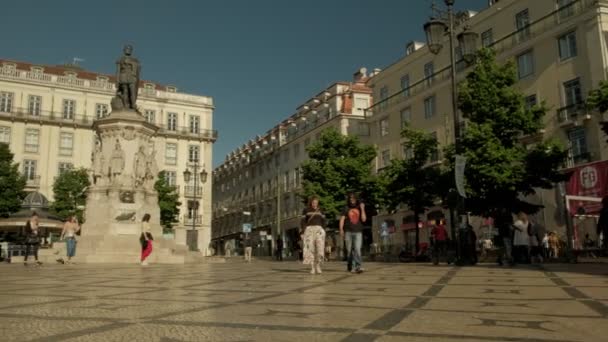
[{"x": 271, "y": 301}]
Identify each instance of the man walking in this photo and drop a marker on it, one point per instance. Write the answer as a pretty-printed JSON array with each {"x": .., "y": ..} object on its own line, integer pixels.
[
  {"x": 504, "y": 223},
  {"x": 440, "y": 237},
  {"x": 280, "y": 249},
  {"x": 351, "y": 229},
  {"x": 248, "y": 248}
]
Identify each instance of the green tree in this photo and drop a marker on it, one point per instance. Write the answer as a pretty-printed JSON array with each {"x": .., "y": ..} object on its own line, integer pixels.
[
  {"x": 12, "y": 183},
  {"x": 413, "y": 181},
  {"x": 70, "y": 193},
  {"x": 598, "y": 100},
  {"x": 338, "y": 164},
  {"x": 500, "y": 168},
  {"x": 168, "y": 201}
]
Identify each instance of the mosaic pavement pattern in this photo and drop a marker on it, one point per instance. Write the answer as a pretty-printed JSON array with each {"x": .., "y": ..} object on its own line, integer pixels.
[{"x": 271, "y": 301}]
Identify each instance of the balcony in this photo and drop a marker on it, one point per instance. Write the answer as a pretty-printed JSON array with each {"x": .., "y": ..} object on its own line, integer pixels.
[
  {"x": 192, "y": 220},
  {"x": 32, "y": 182},
  {"x": 569, "y": 115},
  {"x": 578, "y": 159},
  {"x": 46, "y": 117},
  {"x": 203, "y": 134},
  {"x": 193, "y": 191}
]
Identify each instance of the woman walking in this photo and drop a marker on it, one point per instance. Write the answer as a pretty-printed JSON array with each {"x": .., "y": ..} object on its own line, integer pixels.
[
  {"x": 521, "y": 238},
  {"x": 32, "y": 238},
  {"x": 313, "y": 221},
  {"x": 70, "y": 228},
  {"x": 145, "y": 239}
]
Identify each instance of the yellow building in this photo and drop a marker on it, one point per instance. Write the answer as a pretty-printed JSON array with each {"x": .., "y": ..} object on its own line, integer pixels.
[
  {"x": 559, "y": 48},
  {"x": 46, "y": 116}
]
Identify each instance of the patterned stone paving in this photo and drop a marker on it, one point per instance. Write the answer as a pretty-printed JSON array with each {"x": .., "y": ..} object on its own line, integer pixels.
[{"x": 269, "y": 301}]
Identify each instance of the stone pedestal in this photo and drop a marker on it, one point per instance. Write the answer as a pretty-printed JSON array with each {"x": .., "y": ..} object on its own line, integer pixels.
[{"x": 123, "y": 177}]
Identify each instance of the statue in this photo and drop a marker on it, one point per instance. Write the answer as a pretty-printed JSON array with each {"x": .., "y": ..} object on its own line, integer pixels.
[
  {"x": 127, "y": 81},
  {"x": 98, "y": 164},
  {"x": 139, "y": 166},
  {"x": 151, "y": 171},
  {"x": 117, "y": 162}
]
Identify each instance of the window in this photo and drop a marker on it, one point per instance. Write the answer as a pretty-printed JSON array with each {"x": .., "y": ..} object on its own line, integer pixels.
[
  {"x": 386, "y": 158},
  {"x": 29, "y": 169},
  {"x": 297, "y": 176},
  {"x": 429, "y": 70},
  {"x": 363, "y": 129},
  {"x": 522, "y": 24},
  {"x": 170, "y": 153},
  {"x": 530, "y": 101},
  {"x": 5, "y": 135},
  {"x": 577, "y": 139},
  {"x": 193, "y": 153},
  {"x": 361, "y": 103},
  {"x": 429, "y": 107},
  {"x": 34, "y": 105},
  {"x": 195, "y": 124},
  {"x": 572, "y": 92},
  {"x": 525, "y": 64},
  {"x": 406, "y": 116},
  {"x": 405, "y": 85},
  {"x": 171, "y": 89},
  {"x": 565, "y": 10},
  {"x": 69, "y": 109},
  {"x": 6, "y": 102},
  {"x": 150, "y": 116},
  {"x": 286, "y": 185},
  {"x": 408, "y": 152},
  {"x": 487, "y": 38},
  {"x": 296, "y": 150},
  {"x": 383, "y": 97},
  {"x": 63, "y": 167},
  {"x": 306, "y": 142},
  {"x": 32, "y": 138},
  {"x": 192, "y": 209},
  {"x": 172, "y": 121},
  {"x": 170, "y": 177},
  {"x": 101, "y": 110},
  {"x": 66, "y": 143},
  {"x": 286, "y": 156},
  {"x": 384, "y": 127},
  {"x": 567, "y": 45}
]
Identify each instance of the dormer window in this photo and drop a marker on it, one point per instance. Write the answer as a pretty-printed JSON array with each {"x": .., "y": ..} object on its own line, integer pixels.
[
  {"x": 171, "y": 89},
  {"x": 71, "y": 75},
  {"x": 102, "y": 79},
  {"x": 37, "y": 70},
  {"x": 9, "y": 68}
]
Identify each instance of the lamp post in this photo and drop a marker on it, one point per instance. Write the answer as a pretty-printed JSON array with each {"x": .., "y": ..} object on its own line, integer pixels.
[
  {"x": 203, "y": 179},
  {"x": 435, "y": 30}
]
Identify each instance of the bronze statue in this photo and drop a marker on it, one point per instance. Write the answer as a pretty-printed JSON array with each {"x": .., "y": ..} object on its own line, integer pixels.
[{"x": 127, "y": 80}]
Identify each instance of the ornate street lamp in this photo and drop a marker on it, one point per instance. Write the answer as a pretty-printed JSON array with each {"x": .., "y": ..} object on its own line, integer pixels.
[{"x": 435, "y": 30}]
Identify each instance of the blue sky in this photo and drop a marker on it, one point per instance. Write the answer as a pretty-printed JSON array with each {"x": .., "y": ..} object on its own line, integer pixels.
[{"x": 258, "y": 59}]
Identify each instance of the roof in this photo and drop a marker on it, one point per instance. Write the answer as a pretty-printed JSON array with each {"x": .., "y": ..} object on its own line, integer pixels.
[
  {"x": 35, "y": 200},
  {"x": 62, "y": 70}
]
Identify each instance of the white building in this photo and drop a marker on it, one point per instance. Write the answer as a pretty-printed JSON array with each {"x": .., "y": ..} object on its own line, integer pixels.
[{"x": 46, "y": 113}]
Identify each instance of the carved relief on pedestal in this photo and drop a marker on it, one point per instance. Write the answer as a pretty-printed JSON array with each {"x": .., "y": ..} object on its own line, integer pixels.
[
  {"x": 128, "y": 133},
  {"x": 117, "y": 161}
]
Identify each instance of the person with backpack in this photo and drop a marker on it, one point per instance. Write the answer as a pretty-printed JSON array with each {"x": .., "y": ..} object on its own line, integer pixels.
[
  {"x": 32, "y": 238},
  {"x": 351, "y": 229}
]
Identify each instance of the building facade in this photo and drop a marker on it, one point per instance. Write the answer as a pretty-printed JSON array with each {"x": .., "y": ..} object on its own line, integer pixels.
[
  {"x": 258, "y": 183},
  {"x": 46, "y": 117},
  {"x": 559, "y": 48}
]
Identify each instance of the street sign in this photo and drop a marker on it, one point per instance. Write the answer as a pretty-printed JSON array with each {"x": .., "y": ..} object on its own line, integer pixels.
[
  {"x": 459, "y": 174},
  {"x": 246, "y": 227}
]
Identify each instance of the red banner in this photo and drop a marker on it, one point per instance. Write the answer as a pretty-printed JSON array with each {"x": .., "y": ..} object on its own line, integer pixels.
[{"x": 588, "y": 180}]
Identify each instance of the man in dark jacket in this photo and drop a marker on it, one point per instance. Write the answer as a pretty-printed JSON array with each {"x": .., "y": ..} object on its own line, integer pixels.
[
  {"x": 602, "y": 225},
  {"x": 504, "y": 222}
]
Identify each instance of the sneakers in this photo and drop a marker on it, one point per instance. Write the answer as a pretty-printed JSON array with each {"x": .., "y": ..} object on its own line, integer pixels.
[
  {"x": 313, "y": 271},
  {"x": 357, "y": 270},
  {"x": 319, "y": 269},
  {"x": 144, "y": 263}
]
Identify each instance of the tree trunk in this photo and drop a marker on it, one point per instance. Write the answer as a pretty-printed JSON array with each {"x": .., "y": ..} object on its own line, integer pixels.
[{"x": 416, "y": 222}]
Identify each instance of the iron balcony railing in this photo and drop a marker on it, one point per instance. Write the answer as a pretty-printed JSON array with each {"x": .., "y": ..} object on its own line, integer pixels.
[{"x": 190, "y": 220}]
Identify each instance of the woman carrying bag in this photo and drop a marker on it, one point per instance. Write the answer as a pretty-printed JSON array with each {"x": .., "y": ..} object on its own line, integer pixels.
[
  {"x": 145, "y": 239},
  {"x": 313, "y": 221}
]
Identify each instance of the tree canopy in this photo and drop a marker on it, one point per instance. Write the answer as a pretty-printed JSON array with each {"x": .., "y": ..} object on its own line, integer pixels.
[
  {"x": 70, "y": 193},
  {"x": 339, "y": 164},
  {"x": 501, "y": 169},
  {"x": 12, "y": 183},
  {"x": 168, "y": 201}
]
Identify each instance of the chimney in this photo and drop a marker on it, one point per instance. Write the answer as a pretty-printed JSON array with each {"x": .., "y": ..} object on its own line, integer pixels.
[
  {"x": 376, "y": 71},
  {"x": 360, "y": 75}
]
